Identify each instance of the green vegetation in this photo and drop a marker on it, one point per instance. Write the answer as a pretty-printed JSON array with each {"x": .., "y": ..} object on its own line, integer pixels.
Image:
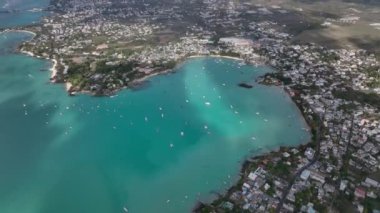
[
  {"x": 103, "y": 67},
  {"x": 127, "y": 52},
  {"x": 76, "y": 73},
  {"x": 309, "y": 196},
  {"x": 215, "y": 40},
  {"x": 83, "y": 75},
  {"x": 330, "y": 57},
  {"x": 343, "y": 204},
  {"x": 280, "y": 169},
  {"x": 271, "y": 190},
  {"x": 373, "y": 72},
  {"x": 79, "y": 68},
  {"x": 229, "y": 53},
  {"x": 344, "y": 171},
  {"x": 99, "y": 40},
  {"x": 169, "y": 65},
  {"x": 347, "y": 107},
  {"x": 370, "y": 204},
  {"x": 280, "y": 77}
]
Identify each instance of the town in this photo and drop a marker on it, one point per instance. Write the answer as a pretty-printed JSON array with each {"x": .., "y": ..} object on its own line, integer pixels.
[{"x": 100, "y": 47}]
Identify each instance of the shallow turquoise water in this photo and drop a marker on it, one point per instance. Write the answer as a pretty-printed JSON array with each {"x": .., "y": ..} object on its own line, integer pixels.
[{"x": 157, "y": 149}]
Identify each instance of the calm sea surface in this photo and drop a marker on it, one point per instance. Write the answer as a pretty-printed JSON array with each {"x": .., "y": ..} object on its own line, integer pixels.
[
  {"x": 15, "y": 13},
  {"x": 157, "y": 149}
]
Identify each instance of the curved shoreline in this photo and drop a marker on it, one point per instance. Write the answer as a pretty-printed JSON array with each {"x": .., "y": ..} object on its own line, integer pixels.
[
  {"x": 162, "y": 73},
  {"x": 19, "y": 31},
  {"x": 53, "y": 68},
  {"x": 216, "y": 56},
  {"x": 246, "y": 162},
  {"x": 68, "y": 85},
  {"x": 249, "y": 160}
]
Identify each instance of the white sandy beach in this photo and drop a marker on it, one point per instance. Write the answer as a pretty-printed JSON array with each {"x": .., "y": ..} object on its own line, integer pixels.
[
  {"x": 27, "y": 53},
  {"x": 20, "y": 31},
  {"x": 53, "y": 70},
  {"x": 68, "y": 86}
]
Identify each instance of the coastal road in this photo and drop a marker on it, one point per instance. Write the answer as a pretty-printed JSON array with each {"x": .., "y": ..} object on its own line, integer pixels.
[{"x": 298, "y": 173}]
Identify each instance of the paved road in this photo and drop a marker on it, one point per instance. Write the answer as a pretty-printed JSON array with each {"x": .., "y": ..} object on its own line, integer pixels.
[{"x": 298, "y": 173}]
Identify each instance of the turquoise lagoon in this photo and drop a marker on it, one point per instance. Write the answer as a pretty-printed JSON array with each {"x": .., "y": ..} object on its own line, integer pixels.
[{"x": 159, "y": 148}]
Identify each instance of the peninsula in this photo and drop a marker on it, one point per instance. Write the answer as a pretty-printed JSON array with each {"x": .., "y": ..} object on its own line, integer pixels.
[{"x": 100, "y": 47}]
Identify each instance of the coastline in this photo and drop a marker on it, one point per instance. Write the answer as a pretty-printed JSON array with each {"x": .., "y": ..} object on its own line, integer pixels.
[
  {"x": 68, "y": 86},
  {"x": 178, "y": 63},
  {"x": 19, "y": 31},
  {"x": 246, "y": 162},
  {"x": 141, "y": 80},
  {"x": 333, "y": 88},
  {"x": 28, "y": 53},
  {"x": 217, "y": 56},
  {"x": 250, "y": 160},
  {"x": 135, "y": 82},
  {"x": 53, "y": 70}
]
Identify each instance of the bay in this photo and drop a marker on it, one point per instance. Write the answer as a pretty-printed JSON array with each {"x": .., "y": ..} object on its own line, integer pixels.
[
  {"x": 157, "y": 149},
  {"x": 161, "y": 148}
]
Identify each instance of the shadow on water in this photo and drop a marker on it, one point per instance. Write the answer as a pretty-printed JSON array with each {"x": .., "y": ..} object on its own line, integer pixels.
[{"x": 24, "y": 139}]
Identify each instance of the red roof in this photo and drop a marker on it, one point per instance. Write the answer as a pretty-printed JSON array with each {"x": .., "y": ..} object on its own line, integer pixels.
[{"x": 360, "y": 192}]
